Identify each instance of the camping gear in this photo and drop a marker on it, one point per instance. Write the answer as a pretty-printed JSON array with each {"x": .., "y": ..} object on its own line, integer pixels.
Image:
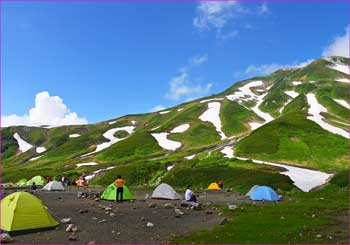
[
  {"x": 165, "y": 191},
  {"x": 21, "y": 211},
  {"x": 214, "y": 186},
  {"x": 53, "y": 186},
  {"x": 22, "y": 182},
  {"x": 264, "y": 193},
  {"x": 110, "y": 193},
  {"x": 38, "y": 180},
  {"x": 251, "y": 190},
  {"x": 81, "y": 182}
]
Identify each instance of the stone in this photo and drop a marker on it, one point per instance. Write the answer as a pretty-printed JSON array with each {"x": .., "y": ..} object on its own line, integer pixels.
[
  {"x": 178, "y": 212},
  {"x": 223, "y": 221},
  {"x": 169, "y": 205},
  {"x": 108, "y": 208},
  {"x": 149, "y": 224},
  {"x": 97, "y": 199},
  {"x": 102, "y": 221},
  {"x": 91, "y": 242},
  {"x": 209, "y": 212},
  {"x": 69, "y": 228},
  {"x": 152, "y": 205},
  {"x": 6, "y": 238},
  {"x": 184, "y": 204},
  {"x": 75, "y": 229},
  {"x": 83, "y": 211},
  {"x": 232, "y": 207},
  {"x": 313, "y": 215},
  {"x": 319, "y": 236},
  {"x": 112, "y": 214},
  {"x": 94, "y": 218},
  {"x": 66, "y": 220},
  {"x": 142, "y": 218},
  {"x": 72, "y": 238},
  {"x": 283, "y": 217}
]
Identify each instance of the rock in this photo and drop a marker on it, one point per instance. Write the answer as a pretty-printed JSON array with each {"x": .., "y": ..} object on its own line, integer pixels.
[
  {"x": 72, "y": 238},
  {"x": 57, "y": 198},
  {"x": 94, "y": 218},
  {"x": 330, "y": 237},
  {"x": 283, "y": 217},
  {"x": 66, "y": 220},
  {"x": 169, "y": 205},
  {"x": 232, "y": 207},
  {"x": 83, "y": 211},
  {"x": 149, "y": 224},
  {"x": 69, "y": 228},
  {"x": 97, "y": 199},
  {"x": 102, "y": 221},
  {"x": 112, "y": 214},
  {"x": 142, "y": 218},
  {"x": 6, "y": 238},
  {"x": 223, "y": 221},
  {"x": 152, "y": 205},
  {"x": 178, "y": 212},
  {"x": 134, "y": 207},
  {"x": 108, "y": 208},
  {"x": 313, "y": 215},
  {"x": 319, "y": 236},
  {"x": 91, "y": 242},
  {"x": 219, "y": 214},
  {"x": 209, "y": 212},
  {"x": 107, "y": 212}
]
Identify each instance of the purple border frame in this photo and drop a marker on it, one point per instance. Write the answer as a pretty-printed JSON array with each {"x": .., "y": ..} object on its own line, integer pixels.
[{"x": 145, "y": 1}]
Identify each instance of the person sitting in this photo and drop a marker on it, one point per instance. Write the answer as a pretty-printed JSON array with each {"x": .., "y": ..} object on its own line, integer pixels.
[
  {"x": 221, "y": 184},
  {"x": 189, "y": 196}
]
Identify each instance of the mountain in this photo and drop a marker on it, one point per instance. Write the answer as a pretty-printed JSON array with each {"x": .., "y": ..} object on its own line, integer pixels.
[{"x": 296, "y": 116}]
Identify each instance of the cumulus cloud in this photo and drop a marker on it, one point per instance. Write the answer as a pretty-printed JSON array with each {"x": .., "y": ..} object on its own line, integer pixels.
[
  {"x": 48, "y": 110},
  {"x": 198, "y": 60},
  {"x": 214, "y": 15},
  {"x": 339, "y": 46},
  {"x": 181, "y": 86},
  {"x": 157, "y": 108},
  {"x": 266, "y": 69}
]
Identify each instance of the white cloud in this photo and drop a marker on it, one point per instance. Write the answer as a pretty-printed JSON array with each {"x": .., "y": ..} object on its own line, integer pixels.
[
  {"x": 48, "y": 110},
  {"x": 266, "y": 69},
  {"x": 339, "y": 47},
  {"x": 181, "y": 86},
  {"x": 214, "y": 15},
  {"x": 157, "y": 108},
  {"x": 263, "y": 9},
  {"x": 198, "y": 60}
]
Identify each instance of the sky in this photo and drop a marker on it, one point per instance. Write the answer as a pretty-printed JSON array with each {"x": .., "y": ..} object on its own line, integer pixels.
[{"x": 86, "y": 62}]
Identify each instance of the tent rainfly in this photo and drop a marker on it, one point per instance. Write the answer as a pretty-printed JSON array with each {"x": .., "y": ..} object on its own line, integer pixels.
[
  {"x": 39, "y": 180},
  {"x": 213, "y": 186},
  {"x": 54, "y": 186},
  {"x": 165, "y": 191},
  {"x": 110, "y": 193}
]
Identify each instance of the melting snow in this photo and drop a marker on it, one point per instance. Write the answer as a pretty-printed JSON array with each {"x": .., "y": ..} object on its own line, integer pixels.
[
  {"x": 212, "y": 115},
  {"x": 74, "y": 135},
  {"x": 155, "y": 128},
  {"x": 297, "y": 83},
  {"x": 95, "y": 173},
  {"x": 214, "y": 99},
  {"x": 170, "y": 167},
  {"x": 315, "y": 110},
  {"x": 343, "y": 80},
  {"x": 343, "y": 103},
  {"x": 291, "y": 93},
  {"x": 112, "y": 139},
  {"x": 264, "y": 115},
  {"x": 23, "y": 145},
  {"x": 342, "y": 68},
  {"x": 244, "y": 92},
  {"x": 255, "y": 125},
  {"x": 165, "y": 143},
  {"x": 164, "y": 112},
  {"x": 133, "y": 122},
  {"x": 34, "y": 158},
  {"x": 180, "y": 109},
  {"x": 112, "y": 122},
  {"x": 190, "y": 157},
  {"x": 40, "y": 149},
  {"x": 228, "y": 152},
  {"x": 180, "y": 129},
  {"x": 86, "y": 164}
]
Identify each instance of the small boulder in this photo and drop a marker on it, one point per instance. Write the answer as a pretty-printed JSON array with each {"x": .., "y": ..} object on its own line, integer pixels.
[
  {"x": 83, "y": 211},
  {"x": 149, "y": 224},
  {"x": 209, "y": 212},
  {"x": 6, "y": 238},
  {"x": 75, "y": 228},
  {"x": 232, "y": 207},
  {"x": 72, "y": 238},
  {"x": 319, "y": 236},
  {"x": 69, "y": 228},
  {"x": 143, "y": 218},
  {"x": 223, "y": 221},
  {"x": 66, "y": 220},
  {"x": 108, "y": 208},
  {"x": 152, "y": 205},
  {"x": 102, "y": 221},
  {"x": 91, "y": 242},
  {"x": 97, "y": 199},
  {"x": 112, "y": 214},
  {"x": 168, "y": 205},
  {"x": 178, "y": 212}
]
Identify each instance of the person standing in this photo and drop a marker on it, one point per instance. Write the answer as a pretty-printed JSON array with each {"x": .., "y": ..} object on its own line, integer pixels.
[{"x": 119, "y": 182}]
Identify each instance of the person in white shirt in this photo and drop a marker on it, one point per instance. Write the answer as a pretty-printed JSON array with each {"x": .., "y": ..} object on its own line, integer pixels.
[{"x": 189, "y": 196}]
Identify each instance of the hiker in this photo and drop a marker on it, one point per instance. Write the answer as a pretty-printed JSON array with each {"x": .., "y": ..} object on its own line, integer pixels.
[
  {"x": 119, "y": 182},
  {"x": 189, "y": 196},
  {"x": 34, "y": 186},
  {"x": 221, "y": 184},
  {"x": 47, "y": 178}
]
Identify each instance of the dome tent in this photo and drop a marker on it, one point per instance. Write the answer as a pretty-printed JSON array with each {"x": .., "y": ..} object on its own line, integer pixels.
[
  {"x": 214, "y": 186},
  {"x": 251, "y": 190},
  {"x": 165, "y": 191},
  {"x": 264, "y": 193},
  {"x": 22, "y": 211},
  {"x": 22, "y": 182},
  {"x": 110, "y": 193},
  {"x": 53, "y": 186},
  {"x": 39, "y": 180}
]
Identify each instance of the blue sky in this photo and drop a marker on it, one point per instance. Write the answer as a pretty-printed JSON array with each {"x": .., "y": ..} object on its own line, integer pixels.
[{"x": 105, "y": 60}]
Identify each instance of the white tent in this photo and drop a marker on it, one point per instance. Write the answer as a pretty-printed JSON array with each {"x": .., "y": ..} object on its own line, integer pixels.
[
  {"x": 54, "y": 186},
  {"x": 251, "y": 190},
  {"x": 165, "y": 191}
]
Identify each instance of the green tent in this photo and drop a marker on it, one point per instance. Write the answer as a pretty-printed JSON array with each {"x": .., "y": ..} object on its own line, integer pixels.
[
  {"x": 39, "y": 180},
  {"x": 22, "y": 211},
  {"x": 22, "y": 181},
  {"x": 110, "y": 193}
]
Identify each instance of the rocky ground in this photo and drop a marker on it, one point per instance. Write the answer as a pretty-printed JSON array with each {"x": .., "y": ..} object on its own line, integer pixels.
[{"x": 141, "y": 221}]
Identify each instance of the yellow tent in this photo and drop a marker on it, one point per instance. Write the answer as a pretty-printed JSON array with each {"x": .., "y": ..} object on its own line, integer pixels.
[
  {"x": 213, "y": 186},
  {"x": 22, "y": 211}
]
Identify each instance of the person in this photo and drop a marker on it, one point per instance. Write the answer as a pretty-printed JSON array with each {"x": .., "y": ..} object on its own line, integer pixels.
[
  {"x": 189, "y": 196},
  {"x": 34, "y": 186},
  {"x": 119, "y": 182},
  {"x": 221, "y": 184},
  {"x": 47, "y": 178}
]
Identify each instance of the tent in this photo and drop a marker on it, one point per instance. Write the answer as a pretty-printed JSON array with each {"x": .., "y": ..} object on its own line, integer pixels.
[
  {"x": 165, "y": 191},
  {"x": 264, "y": 193},
  {"x": 22, "y": 182},
  {"x": 81, "y": 182},
  {"x": 214, "y": 186},
  {"x": 39, "y": 180},
  {"x": 21, "y": 211},
  {"x": 110, "y": 193},
  {"x": 251, "y": 190},
  {"x": 54, "y": 186}
]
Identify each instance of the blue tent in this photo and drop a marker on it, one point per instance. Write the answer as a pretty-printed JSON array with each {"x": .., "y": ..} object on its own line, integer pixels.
[{"x": 264, "y": 193}]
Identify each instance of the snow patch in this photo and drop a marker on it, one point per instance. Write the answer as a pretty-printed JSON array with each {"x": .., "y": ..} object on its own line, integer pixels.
[
  {"x": 342, "y": 68},
  {"x": 23, "y": 145},
  {"x": 164, "y": 112},
  {"x": 112, "y": 122},
  {"x": 297, "y": 83},
  {"x": 74, "y": 135},
  {"x": 40, "y": 149},
  {"x": 155, "y": 128},
  {"x": 180, "y": 129},
  {"x": 291, "y": 93},
  {"x": 170, "y": 167},
  {"x": 228, "y": 152},
  {"x": 244, "y": 92},
  {"x": 254, "y": 125},
  {"x": 190, "y": 157},
  {"x": 86, "y": 164},
  {"x": 95, "y": 173},
  {"x": 343, "y": 80},
  {"x": 208, "y": 100},
  {"x": 180, "y": 109},
  {"x": 315, "y": 111},
  {"x": 212, "y": 115},
  {"x": 343, "y": 103},
  {"x": 34, "y": 158},
  {"x": 165, "y": 143},
  {"x": 133, "y": 122}
]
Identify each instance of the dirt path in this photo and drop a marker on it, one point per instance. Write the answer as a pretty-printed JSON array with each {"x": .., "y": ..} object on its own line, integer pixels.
[{"x": 130, "y": 220}]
